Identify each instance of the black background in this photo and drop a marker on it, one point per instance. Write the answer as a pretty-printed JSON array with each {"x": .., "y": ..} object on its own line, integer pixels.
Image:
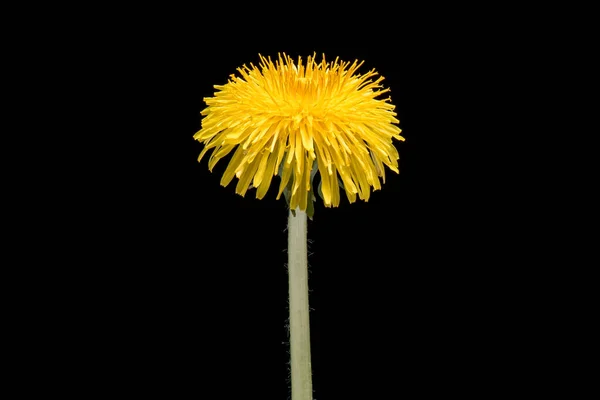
[{"x": 180, "y": 288}]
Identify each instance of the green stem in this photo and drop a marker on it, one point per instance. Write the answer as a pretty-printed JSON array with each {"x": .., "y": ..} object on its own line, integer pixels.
[{"x": 299, "y": 319}]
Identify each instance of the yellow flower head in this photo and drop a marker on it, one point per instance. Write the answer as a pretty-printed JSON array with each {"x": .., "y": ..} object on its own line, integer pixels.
[{"x": 290, "y": 119}]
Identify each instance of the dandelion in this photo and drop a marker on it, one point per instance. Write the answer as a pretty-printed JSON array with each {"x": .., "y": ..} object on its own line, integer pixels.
[{"x": 294, "y": 119}]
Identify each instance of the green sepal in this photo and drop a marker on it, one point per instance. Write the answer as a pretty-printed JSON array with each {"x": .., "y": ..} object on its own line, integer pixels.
[
  {"x": 287, "y": 192},
  {"x": 320, "y": 189},
  {"x": 313, "y": 172}
]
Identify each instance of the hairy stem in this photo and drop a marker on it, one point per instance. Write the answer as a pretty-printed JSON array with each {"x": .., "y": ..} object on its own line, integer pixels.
[{"x": 299, "y": 319}]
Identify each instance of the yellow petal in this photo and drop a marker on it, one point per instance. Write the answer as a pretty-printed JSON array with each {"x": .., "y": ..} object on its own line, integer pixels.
[
  {"x": 246, "y": 177},
  {"x": 262, "y": 166},
  {"x": 266, "y": 181},
  {"x": 232, "y": 167},
  {"x": 285, "y": 178},
  {"x": 307, "y": 140},
  {"x": 218, "y": 154}
]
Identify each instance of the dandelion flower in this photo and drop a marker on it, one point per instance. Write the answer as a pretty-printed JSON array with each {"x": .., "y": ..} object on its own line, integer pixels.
[{"x": 294, "y": 119}]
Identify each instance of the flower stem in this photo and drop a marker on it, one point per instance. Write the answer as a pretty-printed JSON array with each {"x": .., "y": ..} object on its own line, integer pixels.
[{"x": 299, "y": 319}]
